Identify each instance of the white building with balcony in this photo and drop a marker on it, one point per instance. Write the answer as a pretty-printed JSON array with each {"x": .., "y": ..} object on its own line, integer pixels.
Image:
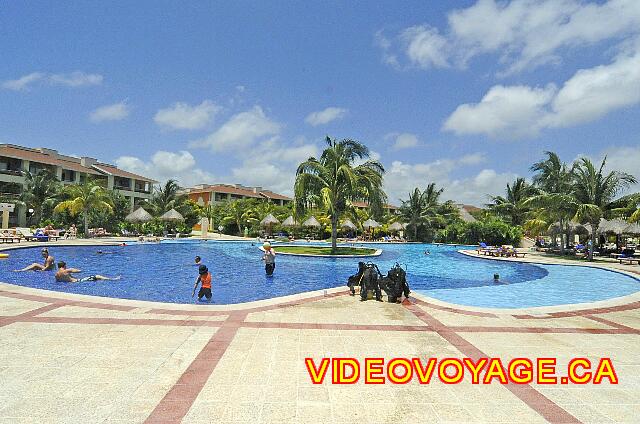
[{"x": 15, "y": 160}]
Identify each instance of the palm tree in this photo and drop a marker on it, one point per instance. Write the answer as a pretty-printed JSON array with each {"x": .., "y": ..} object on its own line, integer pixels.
[
  {"x": 513, "y": 205},
  {"x": 552, "y": 175},
  {"x": 41, "y": 189},
  {"x": 336, "y": 181},
  {"x": 422, "y": 208},
  {"x": 554, "y": 199},
  {"x": 166, "y": 197},
  {"x": 594, "y": 192},
  {"x": 240, "y": 212},
  {"x": 83, "y": 198}
]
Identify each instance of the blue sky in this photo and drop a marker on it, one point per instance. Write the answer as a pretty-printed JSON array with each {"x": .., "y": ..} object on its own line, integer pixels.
[{"x": 467, "y": 94}]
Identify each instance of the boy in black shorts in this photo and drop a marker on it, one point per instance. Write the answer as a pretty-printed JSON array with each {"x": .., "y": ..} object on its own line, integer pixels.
[{"x": 204, "y": 278}]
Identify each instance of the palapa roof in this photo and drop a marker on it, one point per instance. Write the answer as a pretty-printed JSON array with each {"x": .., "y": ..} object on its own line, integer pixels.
[
  {"x": 269, "y": 220},
  {"x": 289, "y": 222},
  {"x": 370, "y": 223},
  {"x": 312, "y": 222},
  {"x": 348, "y": 224},
  {"x": 172, "y": 215},
  {"x": 139, "y": 215}
]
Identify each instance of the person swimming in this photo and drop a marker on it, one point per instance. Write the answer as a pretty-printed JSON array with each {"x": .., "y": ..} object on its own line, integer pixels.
[
  {"x": 48, "y": 265},
  {"x": 63, "y": 275}
]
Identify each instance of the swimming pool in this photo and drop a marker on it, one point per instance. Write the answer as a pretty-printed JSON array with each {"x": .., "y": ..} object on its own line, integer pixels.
[{"x": 165, "y": 272}]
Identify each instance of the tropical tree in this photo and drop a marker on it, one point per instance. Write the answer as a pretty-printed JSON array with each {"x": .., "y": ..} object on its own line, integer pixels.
[
  {"x": 85, "y": 198},
  {"x": 165, "y": 198},
  {"x": 240, "y": 213},
  {"x": 424, "y": 209},
  {"x": 553, "y": 200},
  {"x": 594, "y": 192},
  {"x": 335, "y": 180},
  {"x": 513, "y": 206},
  {"x": 41, "y": 189}
]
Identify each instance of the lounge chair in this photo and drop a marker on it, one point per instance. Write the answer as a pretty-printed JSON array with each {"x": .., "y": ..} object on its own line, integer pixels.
[
  {"x": 7, "y": 237},
  {"x": 628, "y": 260},
  {"x": 482, "y": 246},
  {"x": 25, "y": 233}
]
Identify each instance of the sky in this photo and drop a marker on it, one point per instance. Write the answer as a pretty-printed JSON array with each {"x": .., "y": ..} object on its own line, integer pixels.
[{"x": 466, "y": 94}]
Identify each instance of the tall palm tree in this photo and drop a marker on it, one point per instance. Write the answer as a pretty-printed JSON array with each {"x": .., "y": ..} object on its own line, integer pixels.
[
  {"x": 422, "y": 208},
  {"x": 166, "y": 197},
  {"x": 554, "y": 199},
  {"x": 595, "y": 191},
  {"x": 551, "y": 174},
  {"x": 513, "y": 206},
  {"x": 41, "y": 189},
  {"x": 85, "y": 197},
  {"x": 336, "y": 180}
]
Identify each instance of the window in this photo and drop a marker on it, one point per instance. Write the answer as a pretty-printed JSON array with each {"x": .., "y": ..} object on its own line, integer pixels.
[{"x": 68, "y": 176}]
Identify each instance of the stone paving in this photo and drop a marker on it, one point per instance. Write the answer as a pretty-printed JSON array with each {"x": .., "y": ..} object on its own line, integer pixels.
[{"x": 91, "y": 360}]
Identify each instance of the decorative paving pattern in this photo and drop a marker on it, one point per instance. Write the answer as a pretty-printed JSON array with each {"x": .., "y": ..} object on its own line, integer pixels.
[{"x": 66, "y": 360}]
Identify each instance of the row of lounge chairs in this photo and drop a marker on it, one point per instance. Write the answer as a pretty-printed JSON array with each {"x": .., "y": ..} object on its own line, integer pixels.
[
  {"x": 506, "y": 250},
  {"x": 22, "y": 233}
]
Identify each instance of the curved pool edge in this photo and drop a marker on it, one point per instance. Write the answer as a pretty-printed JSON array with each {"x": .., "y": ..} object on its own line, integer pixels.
[
  {"x": 310, "y": 295},
  {"x": 472, "y": 254}
]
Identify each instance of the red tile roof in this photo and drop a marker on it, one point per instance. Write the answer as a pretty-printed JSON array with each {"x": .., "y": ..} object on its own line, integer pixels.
[
  {"x": 112, "y": 170},
  {"x": 66, "y": 162},
  {"x": 240, "y": 191}
]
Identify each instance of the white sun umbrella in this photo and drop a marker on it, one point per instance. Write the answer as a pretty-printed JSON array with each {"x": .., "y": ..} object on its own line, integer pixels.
[
  {"x": 370, "y": 223},
  {"x": 138, "y": 216},
  {"x": 172, "y": 215},
  {"x": 289, "y": 222}
]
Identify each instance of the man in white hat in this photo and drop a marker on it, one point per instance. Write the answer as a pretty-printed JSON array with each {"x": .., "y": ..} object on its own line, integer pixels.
[{"x": 269, "y": 258}]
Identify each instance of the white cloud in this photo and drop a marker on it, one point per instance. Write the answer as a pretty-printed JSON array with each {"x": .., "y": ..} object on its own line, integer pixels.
[
  {"x": 402, "y": 140},
  {"x": 74, "y": 79},
  {"x": 325, "y": 116},
  {"x": 164, "y": 165},
  {"x": 425, "y": 47},
  {"x": 22, "y": 83},
  {"x": 523, "y": 33},
  {"x": 241, "y": 131},
  {"x": 272, "y": 164},
  {"x": 182, "y": 116},
  {"x": 592, "y": 93},
  {"x": 114, "y": 112},
  {"x": 402, "y": 177},
  {"x": 521, "y": 111},
  {"x": 504, "y": 112}
]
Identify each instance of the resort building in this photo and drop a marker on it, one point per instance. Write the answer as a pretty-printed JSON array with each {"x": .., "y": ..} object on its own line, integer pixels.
[
  {"x": 16, "y": 160},
  {"x": 211, "y": 194}
]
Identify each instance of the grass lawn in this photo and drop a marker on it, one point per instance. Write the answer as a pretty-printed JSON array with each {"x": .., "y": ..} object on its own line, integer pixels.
[{"x": 324, "y": 250}]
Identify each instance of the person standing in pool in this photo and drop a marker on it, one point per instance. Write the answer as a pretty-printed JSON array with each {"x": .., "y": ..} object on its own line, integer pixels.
[
  {"x": 204, "y": 278},
  {"x": 48, "y": 265},
  {"x": 198, "y": 261},
  {"x": 64, "y": 275},
  {"x": 269, "y": 258}
]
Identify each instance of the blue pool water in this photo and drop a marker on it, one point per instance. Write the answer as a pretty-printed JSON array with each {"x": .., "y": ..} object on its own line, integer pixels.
[{"x": 164, "y": 272}]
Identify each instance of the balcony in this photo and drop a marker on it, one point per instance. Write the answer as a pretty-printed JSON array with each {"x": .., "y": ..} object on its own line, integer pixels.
[
  {"x": 16, "y": 172},
  {"x": 122, "y": 187}
]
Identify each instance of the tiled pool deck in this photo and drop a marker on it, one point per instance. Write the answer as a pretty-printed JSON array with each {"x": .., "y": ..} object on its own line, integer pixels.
[{"x": 68, "y": 358}]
